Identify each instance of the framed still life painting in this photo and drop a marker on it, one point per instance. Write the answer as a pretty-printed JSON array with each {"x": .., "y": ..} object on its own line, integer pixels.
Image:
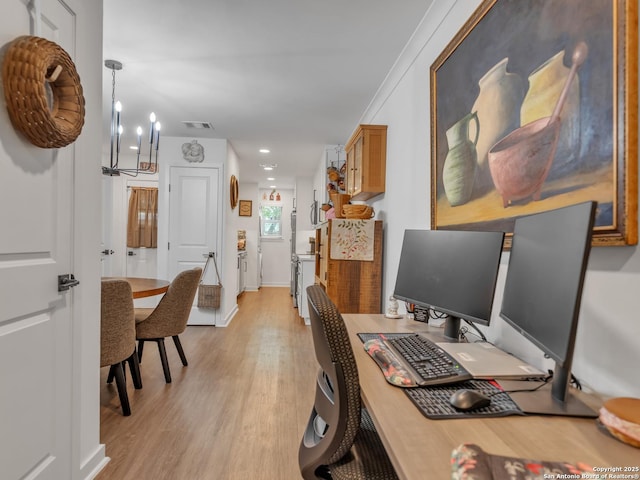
[{"x": 534, "y": 107}]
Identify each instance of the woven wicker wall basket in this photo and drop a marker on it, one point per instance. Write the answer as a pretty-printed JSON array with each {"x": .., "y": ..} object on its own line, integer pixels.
[{"x": 43, "y": 92}]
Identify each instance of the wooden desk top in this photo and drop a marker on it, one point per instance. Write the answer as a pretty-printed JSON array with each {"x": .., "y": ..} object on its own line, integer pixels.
[
  {"x": 144, "y": 287},
  {"x": 421, "y": 448}
]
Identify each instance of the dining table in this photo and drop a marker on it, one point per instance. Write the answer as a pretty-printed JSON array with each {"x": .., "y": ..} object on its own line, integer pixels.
[{"x": 144, "y": 287}]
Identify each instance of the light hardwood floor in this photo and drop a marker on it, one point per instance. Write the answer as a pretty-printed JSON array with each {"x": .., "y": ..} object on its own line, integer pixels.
[{"x": 236, "y": 412}]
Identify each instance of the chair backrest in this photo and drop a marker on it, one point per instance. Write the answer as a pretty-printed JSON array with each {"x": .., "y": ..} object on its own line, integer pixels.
[
  {"x": 170, "y": 316},
  {"x": 335, "y": 418},
  {"x": 117, "y": 322}
]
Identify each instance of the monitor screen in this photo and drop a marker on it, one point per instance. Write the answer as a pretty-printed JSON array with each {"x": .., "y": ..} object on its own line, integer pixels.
[
  {"x": 451, "y": 271},
  {"x": 543, "y": 288}
]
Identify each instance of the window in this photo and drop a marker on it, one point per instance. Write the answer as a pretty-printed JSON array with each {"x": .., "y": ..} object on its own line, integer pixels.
[{"x": 270, "y": 221}]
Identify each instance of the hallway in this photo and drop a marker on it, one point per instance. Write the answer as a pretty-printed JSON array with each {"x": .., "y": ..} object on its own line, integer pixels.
[{"x": 236, "y": 412}]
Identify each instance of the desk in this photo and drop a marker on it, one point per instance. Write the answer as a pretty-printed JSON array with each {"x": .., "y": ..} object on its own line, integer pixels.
[
  {"x": 144, "y": 287},
  {"x": 421, "y": 448}
]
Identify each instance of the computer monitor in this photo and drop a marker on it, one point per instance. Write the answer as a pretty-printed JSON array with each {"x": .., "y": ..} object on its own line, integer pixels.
[
  {"x": 450, "y": 271},
  {"x": 543, "y": 289}
]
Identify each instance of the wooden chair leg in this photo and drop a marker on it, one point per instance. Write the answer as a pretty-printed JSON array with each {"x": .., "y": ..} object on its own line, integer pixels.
[
  {"x": 122, "y": 389},
  {"x": 176, "y": 340},
  {"x": 134, "y": 366},
  {"x": 140, "y": 345},
  {"x": 163, "y": 359}
]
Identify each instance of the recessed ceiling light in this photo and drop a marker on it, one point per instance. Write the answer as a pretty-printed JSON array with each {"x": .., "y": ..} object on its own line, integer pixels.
[
  {"x": 133, "y": 147},
  {"x": 271, "y": 179},
  {"x": 265, "y": 150},
  {"x": 272, "y": 186},
  {"x": 268, "y": 166}
]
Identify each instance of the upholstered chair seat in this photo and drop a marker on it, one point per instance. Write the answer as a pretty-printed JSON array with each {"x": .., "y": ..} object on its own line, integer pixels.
[
  {"x": 169, "y": 318},
  {"x": 118, "y": 337}
]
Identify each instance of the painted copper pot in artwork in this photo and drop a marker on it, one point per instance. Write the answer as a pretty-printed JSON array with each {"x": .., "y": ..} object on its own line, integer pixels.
[{"x": 520, "y": 162}]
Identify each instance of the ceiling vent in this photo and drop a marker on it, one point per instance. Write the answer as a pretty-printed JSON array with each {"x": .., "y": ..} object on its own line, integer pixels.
[{"x": 199, "y": 125}]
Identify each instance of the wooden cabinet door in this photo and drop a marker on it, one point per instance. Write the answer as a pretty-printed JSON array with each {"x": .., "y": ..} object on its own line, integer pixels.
[
  {"x": 354, "y": 166},
  {"x": 366, "y": 162}
]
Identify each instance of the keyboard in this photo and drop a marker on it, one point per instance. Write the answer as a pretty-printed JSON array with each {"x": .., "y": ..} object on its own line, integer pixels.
[{"x": 427, "y": 363}]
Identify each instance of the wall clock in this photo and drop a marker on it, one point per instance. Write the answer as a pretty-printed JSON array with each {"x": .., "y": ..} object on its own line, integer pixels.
[
  {"x": 245, "y": 208},
  {"x": 233, "y": 189}
]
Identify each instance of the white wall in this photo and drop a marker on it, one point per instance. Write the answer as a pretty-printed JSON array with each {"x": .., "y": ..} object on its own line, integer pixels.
[
  {"x": 218, "y": 154},
  {"x": 304, "y": 228},
  {"x": 320, "y": 179},
  {"x": 276, "y": 252},
  {"x": 88, "y": 454},
  {"x": 251, "y": 225},
  {"x": 607, "y": 351},
  {"x": 229, "y": 305}
]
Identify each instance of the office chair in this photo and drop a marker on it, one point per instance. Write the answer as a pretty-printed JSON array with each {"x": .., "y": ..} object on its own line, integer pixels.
[
  {"x": 340, "y": 440},
  {"x": 118, "y": 337},
  {"x": 169, "y": 318}
]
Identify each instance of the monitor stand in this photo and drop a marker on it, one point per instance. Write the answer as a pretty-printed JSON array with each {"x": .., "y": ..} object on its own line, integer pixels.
[
  {"x": 452, "y": 328},
  {"x": 541, "y": 401}
]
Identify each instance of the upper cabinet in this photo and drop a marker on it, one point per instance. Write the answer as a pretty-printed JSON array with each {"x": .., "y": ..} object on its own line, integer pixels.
[{"x": 366, "y": 161}]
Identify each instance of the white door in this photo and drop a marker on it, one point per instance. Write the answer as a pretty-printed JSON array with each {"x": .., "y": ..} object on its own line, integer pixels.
[
  {"x": 36, "y": 198},
  {"x": 194, "y": 225}
]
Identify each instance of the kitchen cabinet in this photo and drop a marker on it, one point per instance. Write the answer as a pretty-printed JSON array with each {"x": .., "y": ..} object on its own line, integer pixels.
[
  {"x": 354, "y": 286},
  {"x": 366, "y": 162},
  {"x": 242, "y": 272}
]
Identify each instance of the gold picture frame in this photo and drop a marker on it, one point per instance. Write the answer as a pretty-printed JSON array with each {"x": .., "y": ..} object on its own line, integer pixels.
[
  {"x": 245, "y": 208},
  {"x": 592, "y": 155}
]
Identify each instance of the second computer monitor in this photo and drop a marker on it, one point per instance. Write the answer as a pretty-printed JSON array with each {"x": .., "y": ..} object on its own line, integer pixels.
[
  {"x": 543, "y": 291},
  {"x": 450, "y": 271}
]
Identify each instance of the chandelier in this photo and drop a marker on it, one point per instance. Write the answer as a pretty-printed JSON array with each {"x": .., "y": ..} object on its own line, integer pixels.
[{"x": 116, "y": 131}]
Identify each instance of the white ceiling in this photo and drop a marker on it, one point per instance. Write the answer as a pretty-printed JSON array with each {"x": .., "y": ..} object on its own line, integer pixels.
[{"x": 287, "y": 75}]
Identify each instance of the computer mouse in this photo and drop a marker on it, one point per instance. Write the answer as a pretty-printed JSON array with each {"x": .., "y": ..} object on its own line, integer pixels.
[{"x": 465, "y": 399}]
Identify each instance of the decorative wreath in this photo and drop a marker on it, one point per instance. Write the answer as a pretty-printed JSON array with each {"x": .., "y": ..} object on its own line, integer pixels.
[
  {"x": 50, "y": 117},
  {"x": 233, "y": 190}
]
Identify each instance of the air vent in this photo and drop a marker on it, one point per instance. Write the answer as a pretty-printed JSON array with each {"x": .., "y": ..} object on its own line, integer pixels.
[{"x": 198, "y": 125}]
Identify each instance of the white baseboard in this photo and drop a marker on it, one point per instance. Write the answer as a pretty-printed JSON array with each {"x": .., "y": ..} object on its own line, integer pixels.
[{"x": 94, "y": 464}]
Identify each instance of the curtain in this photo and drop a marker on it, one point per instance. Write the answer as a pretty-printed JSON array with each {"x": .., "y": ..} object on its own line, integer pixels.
[{"x": 142, "y": 224}]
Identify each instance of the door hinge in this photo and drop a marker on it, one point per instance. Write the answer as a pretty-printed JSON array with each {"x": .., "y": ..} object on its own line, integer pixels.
[
  {"x": 67, "y": 281},
  {"x": 169, "y": 188},
  {"x": 168, "y": 245}
]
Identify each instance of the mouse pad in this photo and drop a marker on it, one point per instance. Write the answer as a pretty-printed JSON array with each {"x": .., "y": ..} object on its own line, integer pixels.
[{"x": 433, "y": 401}]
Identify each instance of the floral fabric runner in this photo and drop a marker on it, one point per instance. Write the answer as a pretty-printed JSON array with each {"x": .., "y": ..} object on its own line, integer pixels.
[{"x": 352, "y": 239}]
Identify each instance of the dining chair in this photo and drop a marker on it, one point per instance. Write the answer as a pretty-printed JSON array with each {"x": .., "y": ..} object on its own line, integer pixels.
[
  {"x": 118, "y": 337},
  {"x": 340, "y": 440},
  {"x": 169, "y": 317}
]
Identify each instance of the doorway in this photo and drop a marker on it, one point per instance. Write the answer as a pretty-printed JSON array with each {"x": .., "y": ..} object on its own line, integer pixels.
[{"x": 142, "y": 229}]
